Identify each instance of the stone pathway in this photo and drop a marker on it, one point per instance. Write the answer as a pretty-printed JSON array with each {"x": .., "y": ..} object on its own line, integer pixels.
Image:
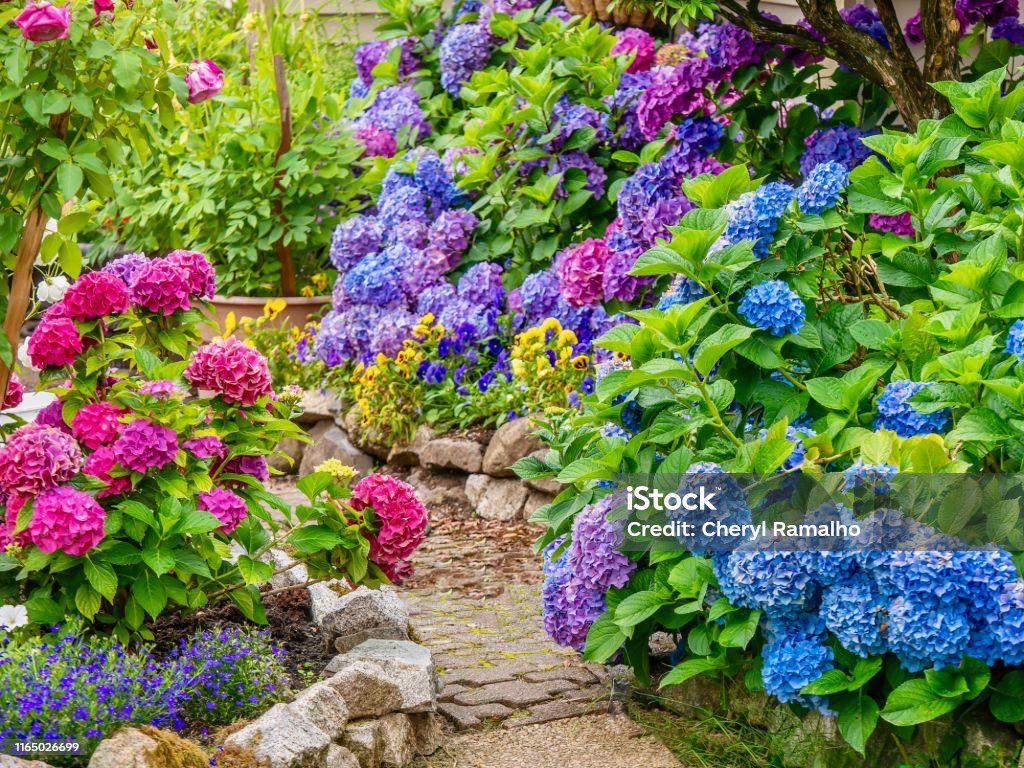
[{"x": 511, "y": 696}]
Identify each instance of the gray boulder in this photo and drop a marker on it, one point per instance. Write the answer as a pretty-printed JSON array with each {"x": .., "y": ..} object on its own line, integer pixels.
[
  {"x": 496, "y": 498},
  {"x": 292, "y": 450},
  {"x": 398, "y": 740},
  {"x": 316, "y": 407},
  {"x": 365, "y": 608},
  {"x": 452, "y": 453},
  {"x": 147, "y": 747},
  {"x": 512, "y": 441},
  {"x": 429, "y": 731},
  {"x": 437, "y": 489},
  {"x": 339, "y": 757},
  {"x": 408, "y": 667},
  {"x": 331, "y": 442},
  {"x": 367, "y": 688},
  {"x": 324, "y": 706},
  {"x": 362, "y": 740},
  {"x": 408, "y": 455},
  {"x": 325, "y": 598},
  {"x": 281, "y": 738}
]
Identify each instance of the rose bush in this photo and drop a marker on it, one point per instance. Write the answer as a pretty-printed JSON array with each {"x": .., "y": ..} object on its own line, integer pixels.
[{"x": 133, "y": 493}]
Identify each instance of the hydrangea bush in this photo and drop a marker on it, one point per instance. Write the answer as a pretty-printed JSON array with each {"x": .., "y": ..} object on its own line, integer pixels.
[
  {"x": 479, "y": 224},
  {"x": 140, "y": 488},
  {"x": 802, "y": 334}
]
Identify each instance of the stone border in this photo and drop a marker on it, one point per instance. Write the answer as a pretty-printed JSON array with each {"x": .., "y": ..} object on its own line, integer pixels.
[{"x": 468, "y": 472}]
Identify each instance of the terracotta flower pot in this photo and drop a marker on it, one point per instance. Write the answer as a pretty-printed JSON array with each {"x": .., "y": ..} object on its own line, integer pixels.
[
  {"x": 620, "y": 17},
  {"x": 298, "y": 311}
]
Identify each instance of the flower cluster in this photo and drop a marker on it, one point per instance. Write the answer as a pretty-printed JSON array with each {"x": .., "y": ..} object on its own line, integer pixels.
[
  {"x": 236, "y": 372},
  {"x": 896, "y": 412},
  {"x": 569, "y": 607},
  {"x": 837, "y": 144},
  {"x": 401, "y": 522},
  {"x": 774, "y": 307}
]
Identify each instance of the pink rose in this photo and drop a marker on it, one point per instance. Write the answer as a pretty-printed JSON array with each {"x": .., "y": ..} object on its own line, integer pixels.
[
  {"x": 100, "y": 7},
  {"x": 204, "y": 81},
  {"x": 44, "y": 21}
]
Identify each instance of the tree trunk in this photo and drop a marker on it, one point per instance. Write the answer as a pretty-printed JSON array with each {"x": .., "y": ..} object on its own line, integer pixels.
[{"x": 21, "y": 287}]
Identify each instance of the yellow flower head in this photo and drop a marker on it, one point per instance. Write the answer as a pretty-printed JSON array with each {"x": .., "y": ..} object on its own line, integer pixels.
[
  {"x": 307, "y": 291},
  {"x": 319, "y": 281},
  {"x": 580, "y": 362},
  {"x": 273, "y": 308},
  {"x": 230, "y": 324},
  {"x": 382, "y": 359},
  {"x": 437, "y": 332},
  {"x": 568, "y": 338},
  {"x": 518, "y": 369},
  {"x": 341, "y": 472},
  {"x": 551, "y": 324}
]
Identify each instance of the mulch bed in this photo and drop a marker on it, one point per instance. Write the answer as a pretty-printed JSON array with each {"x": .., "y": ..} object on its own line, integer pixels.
[{"x": 290, "y": 627}]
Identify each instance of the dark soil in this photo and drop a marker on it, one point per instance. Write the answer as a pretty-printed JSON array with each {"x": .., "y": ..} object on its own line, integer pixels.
[{"x": 289, "y": 624}]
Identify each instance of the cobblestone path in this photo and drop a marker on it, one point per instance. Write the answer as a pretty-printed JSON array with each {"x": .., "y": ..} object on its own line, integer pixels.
[{"x": 513, "y": 698}]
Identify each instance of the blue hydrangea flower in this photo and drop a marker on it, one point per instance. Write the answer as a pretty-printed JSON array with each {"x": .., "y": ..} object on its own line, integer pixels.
[
  {"x": 840, "y": 144},
  {"x": 781, "y": 584},
  {"x": 774, "y": 307},
  {"x": 631, "y": 416},
  {"x": 352, "y": 239},
  {"x": 682, "y": 290},
  {"x": 822, "y": 188},
  {"x": 795, "y": 434},
  {"x": 402, "y": 204},
  {"x": 871, "y": 475},
  {"x": 924, "y": 634},
  {"x": 594, "y": 553},
  {"x": 793, "y": 659},
  {"x": 375, "y": 279},
  {"x": 854, "y": 611},
  {"x": 465, "y": 49},
  {"x": 1015, "y": 339},
  {"x": 755, "y": 216},
  {"x": 896, "y": 412}
]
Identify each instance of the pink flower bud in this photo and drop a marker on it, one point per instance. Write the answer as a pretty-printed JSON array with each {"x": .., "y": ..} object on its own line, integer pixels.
[
  {"x": 204, "y": 81},
  {"x": 103, "y": 6},
  {"x": 44, "y": 21}
]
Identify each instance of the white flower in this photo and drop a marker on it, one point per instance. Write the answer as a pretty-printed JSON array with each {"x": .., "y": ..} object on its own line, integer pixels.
[
  {"x": 23, "y": 357},
  {"x": 52, "y": 289},
  {"x": 13, "y": 616}
]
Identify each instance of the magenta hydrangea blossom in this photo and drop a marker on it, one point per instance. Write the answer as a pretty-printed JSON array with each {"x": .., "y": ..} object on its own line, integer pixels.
[
  {"x": 161, "y": 389},
  {"x": 254, "y": 466},
  {"x": 97, "y": 424},
  {"x": 52, "y": 415},
  {"x": 161, "y": 287},
  {"x": 55, "y": 341},
  {"x": 401, "y": 519},
  {"x": 226, "y": 506},
  {"x": 66, "y": 519},
  {"x": 376, "y": 141},
  {"x": 96, "y": 294},
  {"x": 898, "y": 225},
  {"x": 206, "y": 447},
  {"x": 36, "y": 458},
  {"x": 99, "y": 465},
  {"x": 639, "y": 42},
  {"x": 145, "y": 445},
  {"x": 15, "y": 393},
  {"x": 202, "y": 281},
  {"x": 581, "y": 272},
  {"x": 238, "y": 373}
]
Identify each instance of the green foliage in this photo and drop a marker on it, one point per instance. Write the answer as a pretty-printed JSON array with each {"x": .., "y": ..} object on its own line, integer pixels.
[
  {"x": 210, "y": 177},
  {"x": 934, "y": 306}
]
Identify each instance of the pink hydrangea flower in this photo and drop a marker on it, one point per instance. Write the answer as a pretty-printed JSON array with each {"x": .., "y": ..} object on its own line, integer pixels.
[
  {"x": 144, "y": 445},
  {"x": 898, "y": 225},
  {"x": 96, "y": 294},
  {"x": 254, "y": 466},
  {"x": 66, "y": 519},
  {"x": 10, "y": 505},
  {"x": 237, "y": 372},
  {"x": 206, "y": 447},
  {"x": 581, "y": 272},
  {"x": 401, "y": 519},
  {"x": 161, "y": 287},
  {"x": 377, "y": 141},
  {"x": 205, "y": 80},
  {"x": 226, "y": 506},
  {"x": 15, "y": 393},
  {"x": 97, "y": 424},
  {"x": 55, "y": 341},
  {"x": 638, "y": 41},
  {"x": 44, "y": 21},
  {"x": 52, "y": 415},
  {"x": 37, "y": 458},
  {"x": 99, "y": 464},
  {"x": 161, "y": 389},
  {"x": 202, "y": 281}
]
